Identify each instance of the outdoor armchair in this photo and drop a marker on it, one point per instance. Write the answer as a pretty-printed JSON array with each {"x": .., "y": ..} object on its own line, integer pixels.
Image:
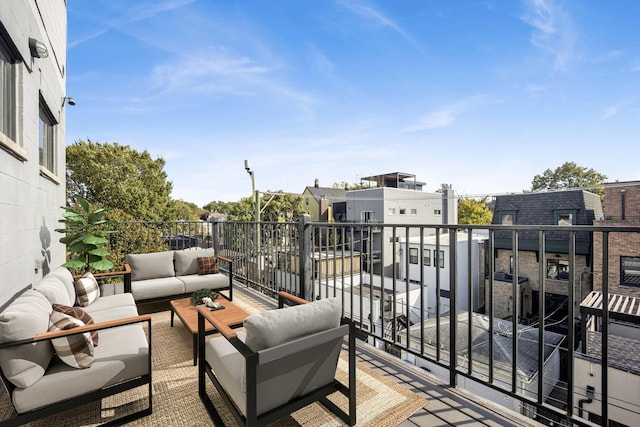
[{"x": 284, "y": 360}]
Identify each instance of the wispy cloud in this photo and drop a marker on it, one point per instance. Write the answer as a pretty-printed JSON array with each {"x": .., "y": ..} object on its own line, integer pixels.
[
  {"x": 133, "y": 13},
  {"x": 368, "y": 12},
  {"x": 535, "y": 90},
  {"x": 553, "y": 30},
  {"x": 445, "y": 116},
  {"x": 610, "y": 112}
]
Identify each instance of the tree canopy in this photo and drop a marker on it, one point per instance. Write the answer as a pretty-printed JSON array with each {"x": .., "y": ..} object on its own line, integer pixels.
[
  {"x": 274, "y": 207},
  {"x": 471, "y": 211},
  {"x": 569, "y": 175},
  {"x": 116, "y": 176}
]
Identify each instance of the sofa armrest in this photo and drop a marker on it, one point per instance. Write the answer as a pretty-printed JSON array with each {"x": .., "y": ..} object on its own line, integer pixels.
[
  {"x": 126, "y": 276},
  {"x": 45, "y": 336}
]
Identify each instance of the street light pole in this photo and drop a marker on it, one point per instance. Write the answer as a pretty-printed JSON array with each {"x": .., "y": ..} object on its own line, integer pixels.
[{"x": 256, "y": 195}]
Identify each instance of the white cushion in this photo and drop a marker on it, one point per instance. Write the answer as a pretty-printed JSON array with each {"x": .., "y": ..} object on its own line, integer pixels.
[
  {"x": 187, "y": 260},
  {"x": 66, "y": 277},
  {"x": 151, "y": 266},
  {"x": 54, "y": 290},
  {"x": 25, "y": 317},
  {"x": 274, "y": 327},
  {"x": 74, "y": 350},
  {"x": 87, "y": 289}
]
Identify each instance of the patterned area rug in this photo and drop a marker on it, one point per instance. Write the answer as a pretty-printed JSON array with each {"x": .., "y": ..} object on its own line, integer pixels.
[{"x": 380, "y": 401}]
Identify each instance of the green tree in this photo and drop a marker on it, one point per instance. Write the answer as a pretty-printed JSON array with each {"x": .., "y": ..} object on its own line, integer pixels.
[
  {"x": 119, "y": 177},
  {"x": 346, "y": 186},
  {"x": 274, "y": 207},
  {"x": 567, "y": 176},
  {"x": 471, "y": 211},
  {"x": 185, "y": 211}
]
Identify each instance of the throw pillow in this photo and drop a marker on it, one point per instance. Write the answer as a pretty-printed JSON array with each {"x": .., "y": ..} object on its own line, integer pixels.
[
  {"x": 87, "y": 289},
  {"x": 207, "y": 265},
  {"x": 79, "y": 314},
  {"x": 74, "y": 350}
]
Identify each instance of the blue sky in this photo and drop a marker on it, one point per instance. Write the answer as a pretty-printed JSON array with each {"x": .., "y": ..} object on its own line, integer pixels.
[{"x": 479, "y": 94}]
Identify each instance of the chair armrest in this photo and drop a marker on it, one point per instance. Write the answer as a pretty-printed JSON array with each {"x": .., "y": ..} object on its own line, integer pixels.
[
  {"x": 289, "y": 299},
  {"x": 45, "y": 336},
  {"x": 225, "y": 259},
  {"x": 225, "y": 330}
]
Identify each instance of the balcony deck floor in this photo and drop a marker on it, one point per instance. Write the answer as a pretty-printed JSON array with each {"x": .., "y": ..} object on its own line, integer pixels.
[{"x": 446, "y": 406}]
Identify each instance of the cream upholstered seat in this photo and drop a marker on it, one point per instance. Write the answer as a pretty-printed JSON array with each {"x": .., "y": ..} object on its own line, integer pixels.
[{"x": 284, "y": 360}]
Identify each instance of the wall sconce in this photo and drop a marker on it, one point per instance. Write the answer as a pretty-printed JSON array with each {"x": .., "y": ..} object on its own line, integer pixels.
[
  {"x": 38, "y": 49},
  {"x": 69, "y": 101}
]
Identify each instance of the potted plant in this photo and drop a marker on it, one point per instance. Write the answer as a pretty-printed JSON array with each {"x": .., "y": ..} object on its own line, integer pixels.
[
  {"x": 197, "y": 296},
  {"x": 85, "y": 237}
]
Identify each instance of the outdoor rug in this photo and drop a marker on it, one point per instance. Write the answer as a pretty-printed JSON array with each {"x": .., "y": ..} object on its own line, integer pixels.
[{"x": 380, "y": 401}]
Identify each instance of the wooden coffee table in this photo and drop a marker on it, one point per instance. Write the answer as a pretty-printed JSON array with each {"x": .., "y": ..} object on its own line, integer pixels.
[{"x": 231, "y": 315}]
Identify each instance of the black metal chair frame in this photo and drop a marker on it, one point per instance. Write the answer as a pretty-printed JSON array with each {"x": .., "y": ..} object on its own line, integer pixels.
[{"x": 251, "y": 360}]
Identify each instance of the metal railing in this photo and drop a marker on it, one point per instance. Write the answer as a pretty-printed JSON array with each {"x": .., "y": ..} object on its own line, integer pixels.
[{"x": 507, "y": 329}]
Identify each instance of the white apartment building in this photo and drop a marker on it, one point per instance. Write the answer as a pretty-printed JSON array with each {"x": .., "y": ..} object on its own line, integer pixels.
[
  {"x": 390, "y": 205},
  {"x": 33, "y": 58},
  {"x": 433, "y": 256}
]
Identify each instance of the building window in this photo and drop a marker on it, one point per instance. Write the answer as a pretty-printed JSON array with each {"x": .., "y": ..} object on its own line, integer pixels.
[
  {"x": 414, "y": 212},
  {"x": 630, "y": 271},
  {"x": 437, "y": 212},
  {"x": 507, "y": 217},
  {"x": 392, "y": 211},
  {"x": 403, "y": 211},
  {"x": 557, "y": 269},
  {"x": 7, "y": 95},
  {"x": 565, "y": 217},
  {"x": 413, "y": 255},
  {"x": 366, "y": 216},
  {"x": 426, "y": 257},
  {"x": 47, "y": 138},
  {"x": 440, "y": 261}
]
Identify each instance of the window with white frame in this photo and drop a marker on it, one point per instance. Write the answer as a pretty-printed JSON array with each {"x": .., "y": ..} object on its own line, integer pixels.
[
  {"x": 507, "y": 217},
  {"x": 565, "y": 217},
  {"x": 7, "y": 94},
  {"x": 413, "y": 255},
  {"x": 47, "y": 138},
  {"x": 391, "y": 211},
  {"x": 437, "y": 212},
  {"x": 440, "y": 261},
  {"x": 403, "y": 211},
  {"x": 414, "y": 211},
  {"x": 426, "y": 257}
]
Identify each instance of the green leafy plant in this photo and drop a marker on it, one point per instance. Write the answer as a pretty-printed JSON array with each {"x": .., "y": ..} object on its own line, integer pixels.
[
  {"x": 85, "y": 237},
  {"x": 196, "y": 297}
]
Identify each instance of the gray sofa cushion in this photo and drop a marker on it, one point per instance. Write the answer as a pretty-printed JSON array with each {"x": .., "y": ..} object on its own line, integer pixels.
[
  {"x": 151, "y": 266},
  {"x": 187, "y": 260},
  {"x": 210, "y": 281},
  {"x": 122, "y": 354},
  {"x": 25, "y": 317},
  {"x": 157, "y": 288},
  {"x": 52, "y": 287},
  {"x": 274, "y": 327},
  {"x": 65, "y": 276}
]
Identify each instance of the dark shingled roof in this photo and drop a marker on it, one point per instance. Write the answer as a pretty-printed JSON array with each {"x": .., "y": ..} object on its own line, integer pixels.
[
  {"x": 332, "y": 194},
  {"x": 540, "y": 208}
]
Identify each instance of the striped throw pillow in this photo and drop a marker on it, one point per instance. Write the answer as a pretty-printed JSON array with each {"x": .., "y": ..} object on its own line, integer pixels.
[
  {"x": 79, "y": 314},
  {"x": 87, "y": 289},
  {"x": 74, "y": 350}
]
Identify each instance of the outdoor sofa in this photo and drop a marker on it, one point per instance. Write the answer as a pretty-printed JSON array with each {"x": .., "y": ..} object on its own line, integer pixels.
[
  {"x": 173, "y": 274},
  {"x": 63, "y": 344}
]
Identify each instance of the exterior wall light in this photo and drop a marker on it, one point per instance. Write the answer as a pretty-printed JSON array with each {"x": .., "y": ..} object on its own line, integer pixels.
[{"x": 38, "y": 49}]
